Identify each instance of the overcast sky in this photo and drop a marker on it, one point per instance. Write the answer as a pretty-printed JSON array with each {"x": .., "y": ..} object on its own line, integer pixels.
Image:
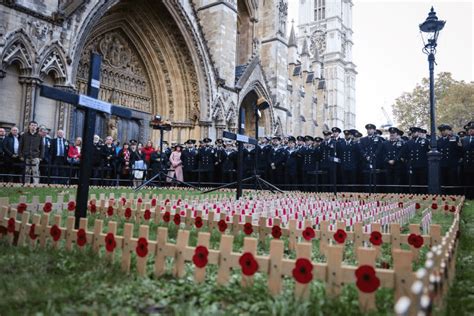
[{"x": 387, "y": 49}]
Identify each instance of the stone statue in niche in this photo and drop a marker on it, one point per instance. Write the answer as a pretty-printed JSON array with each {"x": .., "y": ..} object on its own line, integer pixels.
[
  {"x": 283, "y": 15},
  {"x": 112, "y": 129},
  {"x": 115, "y": 51}
]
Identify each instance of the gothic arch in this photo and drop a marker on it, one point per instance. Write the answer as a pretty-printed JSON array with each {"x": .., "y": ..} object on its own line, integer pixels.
[
  {"x": 155, "y": 26},
  {"x": 20, "y": 50},
  {"x": 52, "y": 59}
]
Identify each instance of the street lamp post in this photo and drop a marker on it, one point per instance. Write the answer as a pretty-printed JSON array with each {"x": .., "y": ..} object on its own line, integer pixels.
[{"x": 430, "y": 32}]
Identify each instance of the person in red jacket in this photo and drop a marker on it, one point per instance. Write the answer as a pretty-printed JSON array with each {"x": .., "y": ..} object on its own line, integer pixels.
[
  {"x": 74, "y": 157},
  {"x": 147, "y": 151}
]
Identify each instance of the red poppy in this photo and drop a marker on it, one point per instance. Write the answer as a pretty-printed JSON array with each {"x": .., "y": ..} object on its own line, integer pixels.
[
  {"x": 32, "y": 232},
  {"x": 248, "y": 264},
  {"x": 276, "y": 232},
  {"x": 153, "y": 202},
  {"x": 376, "y": 238},
  {"x": 303, "y": 271},
  {"x": 93, "y": 208},
  {"x": 128, "y": 213},
  {"x": 200, "y": 256},
  {"x": 222, "y": 225},
  {"x": 453, "y": 209},
  {"x": 47, "y": 207},
  {"x": 167, "y": 201},
  {"x": 434, "y": 206},
  {"x": 55, "y": 232},
  {"x": 110, "y": 243},
  {"x": 385, "y": 265},
  {"x": 11, "y": 225},
  {"x": 177, "y": 219},
  {"x": 309, "y": 233},
  {"x": 142, "y": 247},
  {"x": 446, "y": 207},
  {"x": 71, "y": 206},
  {"x": 21, "y": 207},
  {"x": 110, "y": 210},
  {"x": 367, "y": 281},
  {"x": 400, "y": 204},
  {"x": 147, "y": 215},
  {"x": 340, "y": 236},
  {"x": 248, "y": 229},
  {"x": 139, "y": 200},
  {"x": 415, "y": 240},
  {"x": 123, "y": 200},
  {"x": 166, "y": 217},
  {"x": 81, "y": 237},
  {"x": 417, "y": 206},
  {"x": 198, "y": 222}
]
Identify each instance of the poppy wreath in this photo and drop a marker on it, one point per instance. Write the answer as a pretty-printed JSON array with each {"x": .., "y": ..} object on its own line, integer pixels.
[
  {"x": 11, "y": 225},
  {"x": 71, "y": 206},
  {"x": 248, "y": 264},
  {"x": 303, "y": 271},
  {"x": 340, "y": 236},
  {"x": 276, "y": 232},
  {"x": 222, "y": 225},
  {"x": 128, "y": 213},
  {"x": 308, "y": 233},
  {"x": 93, "y": 208},
  {"x": 415, "y": 240},
  {"x": 198, "y": 221},
  {"x": 376, "y": 238},
  {"x": 142, "y": 247},
  {"x": 110, "y": 242},
  {"x": 434, "y": 206},
  {"x": 153, "y": 202},
  {"x": 166, "y": 217},
  {"x": 147, "y": 215},
  {"x": 81, "y": 237},
  {"x": 248, "y": 229},
  {"x": 47, "y": 207},
  {"x": 55, "y": 232},
  {"x": 177, "y": 219},
  {"x": 110, "y": 210},
  {"x": 200, "y": 256},
  {"x": 31, "y": 233},
  {"x": 417, "y": 206},
  {"x": 21, "y": 207},
  {"x": 367, "y": 281}
]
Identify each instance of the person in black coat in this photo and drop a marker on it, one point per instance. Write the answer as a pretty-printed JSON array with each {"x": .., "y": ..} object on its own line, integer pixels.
[
  {"x": 392, "y": 151},
  {"x": 109, "y": 157},
  {"x": 248, "y": 160},
  {"x": 308, "y": 163},
  {"x": 11, "y": 149},
  {"x": 291, "y": 165},
  {"x": 451, "y": 151},
  {"x": 468, "y": 160},
  {"x": 2, "y": 156},
  {"x": 45, "y": 169},
  {"x": 416, "y": 156},
  {"x": 348, "y": 152},
  {"x": 277, "y": 161},
  {"x": 371, "y": 152},
  {"x": 219, "y": 157},
  {"x": 206, "y": 160},
  {"x": 229, "y": 164},
  {"x": 328, "y": 152},
  {"x": 189, "y": 159}
]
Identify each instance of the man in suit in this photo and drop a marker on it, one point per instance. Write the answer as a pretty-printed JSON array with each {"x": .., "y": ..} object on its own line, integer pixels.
[
  {"x": 59, "y": 149},
  {"x": 45, "y": 169},
  {"x": 11, "y": 146}
]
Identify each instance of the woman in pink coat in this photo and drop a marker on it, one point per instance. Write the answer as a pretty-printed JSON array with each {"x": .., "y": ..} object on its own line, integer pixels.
[{"x": 176, "y": 164}]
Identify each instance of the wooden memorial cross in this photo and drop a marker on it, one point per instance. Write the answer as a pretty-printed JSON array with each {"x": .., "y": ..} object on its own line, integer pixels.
[{"x": 91, "y": 104}]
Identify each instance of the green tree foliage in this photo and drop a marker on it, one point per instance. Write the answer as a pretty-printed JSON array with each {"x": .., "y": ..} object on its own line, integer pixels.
[{"x": 454, "y": 103}]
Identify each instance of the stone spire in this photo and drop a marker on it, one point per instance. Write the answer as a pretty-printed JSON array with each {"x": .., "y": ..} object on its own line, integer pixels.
[
  {"x": 292, "y": 39},
  {"x": 305, "y": 50},
  {"x": 305, "y": 62}
]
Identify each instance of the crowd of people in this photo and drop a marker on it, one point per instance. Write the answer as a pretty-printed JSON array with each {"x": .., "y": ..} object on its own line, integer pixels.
[{"x": 345, "y": 159}]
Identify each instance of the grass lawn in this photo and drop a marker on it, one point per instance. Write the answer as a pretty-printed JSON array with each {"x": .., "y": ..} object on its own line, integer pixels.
[{"x": 48, "y": 281}]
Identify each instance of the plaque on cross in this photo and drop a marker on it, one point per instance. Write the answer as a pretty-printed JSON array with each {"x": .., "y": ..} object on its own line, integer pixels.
[{"x": 91, "y": 105}]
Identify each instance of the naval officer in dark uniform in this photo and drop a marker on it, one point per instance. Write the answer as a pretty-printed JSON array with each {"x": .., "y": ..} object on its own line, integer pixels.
[
  {"x": 416, "y": 157},
  {"x": 189, "y": 159},
  {"x": 392, "y": 151},
  {"x": 451, "y": 150},
  {"x": 347, "y": 151}
]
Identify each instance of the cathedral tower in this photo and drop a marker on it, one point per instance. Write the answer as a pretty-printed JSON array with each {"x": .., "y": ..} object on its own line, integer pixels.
[{"x": 329, "y": 25}]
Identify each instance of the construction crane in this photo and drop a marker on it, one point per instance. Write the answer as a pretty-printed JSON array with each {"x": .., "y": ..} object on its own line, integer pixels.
[{"x": 389, "y": 121}]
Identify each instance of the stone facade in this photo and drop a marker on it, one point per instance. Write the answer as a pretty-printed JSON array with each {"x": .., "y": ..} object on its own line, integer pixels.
[{"x": 191, "y": 61}]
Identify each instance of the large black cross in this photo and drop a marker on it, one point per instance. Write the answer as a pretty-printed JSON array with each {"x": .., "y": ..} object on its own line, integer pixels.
[{"x": 91, "y": 105}]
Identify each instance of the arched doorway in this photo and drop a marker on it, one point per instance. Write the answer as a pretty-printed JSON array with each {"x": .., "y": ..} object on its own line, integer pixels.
[
  {"x": 248, "y": 106},
  {"x": 147, "y": 66}
]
